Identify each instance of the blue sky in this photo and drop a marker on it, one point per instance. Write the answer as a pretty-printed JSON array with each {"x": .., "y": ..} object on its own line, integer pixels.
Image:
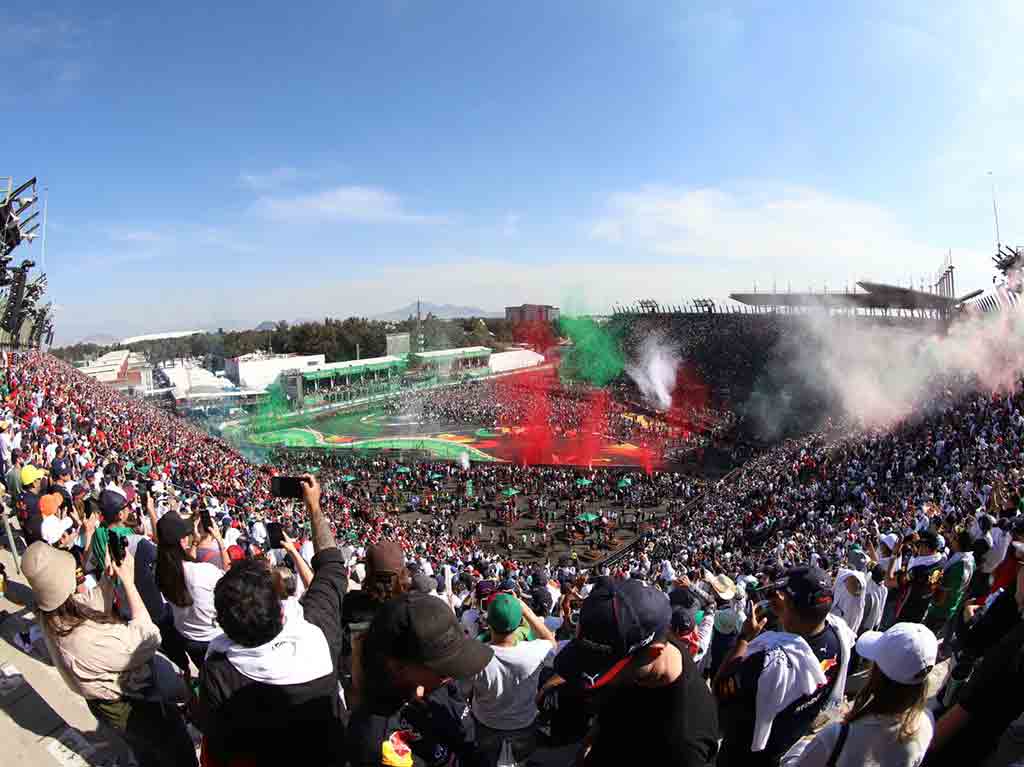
[{"x": 237, "y": 162}]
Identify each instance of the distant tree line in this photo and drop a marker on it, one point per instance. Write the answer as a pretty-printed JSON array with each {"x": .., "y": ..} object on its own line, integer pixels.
[{"x": 337, "y": 339}]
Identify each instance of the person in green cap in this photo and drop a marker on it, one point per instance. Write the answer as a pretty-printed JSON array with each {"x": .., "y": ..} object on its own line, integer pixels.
[{"x": 504, "y": 693}]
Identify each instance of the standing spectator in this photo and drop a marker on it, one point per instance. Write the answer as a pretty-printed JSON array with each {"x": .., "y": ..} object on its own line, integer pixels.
[
  {"x": 651, "y": 698},
  {"x": 776, "y": 683},
  {"x": 888, "y": 725},
  {"x": 13, "y": 477},
  {"x": 114, "y": 513},
  {"x": 26, "y": 503},
  {"x": 112, "y": 664},
  {"x": 187, "y": 585},
  {"x": 917, "y": 580},
  {"x": 957, "y": 572},
  {"x": 269, "y": 690},
  {"x": 504, "y": 693},
  {"x": 412, "y": 712},
  {"x": 386, "y": 578}
]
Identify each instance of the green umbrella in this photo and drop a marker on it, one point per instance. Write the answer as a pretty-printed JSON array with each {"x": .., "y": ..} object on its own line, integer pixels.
[
  {"x": 404, "y": 469},
  {"x": 436, "y": 476},
  {"x": 509, "y": 492},
  {"x": 348, "y": 478},
  {"x": 625, "y": 482},
  {"x": 587, "y": 517},
  {"x": 583, "y": 482}
]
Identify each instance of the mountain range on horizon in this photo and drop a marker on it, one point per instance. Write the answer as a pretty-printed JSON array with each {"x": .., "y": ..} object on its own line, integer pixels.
[{"x": 441, "y": 311}]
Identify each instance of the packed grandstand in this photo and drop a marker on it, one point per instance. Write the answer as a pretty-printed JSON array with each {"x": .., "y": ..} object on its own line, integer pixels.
[{"x": 849, "y": 594}]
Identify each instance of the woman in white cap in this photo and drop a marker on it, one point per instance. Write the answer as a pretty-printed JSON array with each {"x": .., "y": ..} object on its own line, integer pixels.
[
  {"x": 114, "y": 665},
  {"x": 888, "y": 725}
]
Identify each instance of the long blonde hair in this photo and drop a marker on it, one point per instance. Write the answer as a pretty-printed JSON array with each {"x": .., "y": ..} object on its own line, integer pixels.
[{"x": 883, "y": 697}]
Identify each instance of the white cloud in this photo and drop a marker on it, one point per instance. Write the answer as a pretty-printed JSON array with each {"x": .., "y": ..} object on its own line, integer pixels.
[
  {"x": 271, "y": 179},
  {"x": 783, "y": 234},
  {"x": 352, "y": 203},
  {"x": 134, "y": 235}
]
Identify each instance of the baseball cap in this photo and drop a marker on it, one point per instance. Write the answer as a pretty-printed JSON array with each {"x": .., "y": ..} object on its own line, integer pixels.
[
  {"x": 385, "y": 557},
  {"x": 51, "y": 574},
  {"x": 905, "y": 653},
  {"x": 31, "y": 474},
  {"x": 54, "y": 527},
  {"x": 172, "y": 528},
  {"x": 617, "y": 620},
  {"x": 421, "y": 629},
  {"x": 806, "y": 586},
  {"x": 504, "y": 614},
  {"x": 49, "y": 504},
  {"x": 79, "y": 490},
  {"x": 111, "y": 504},
  {"x": 684, "y": 619},
  {"x": 59, "y": 468}
]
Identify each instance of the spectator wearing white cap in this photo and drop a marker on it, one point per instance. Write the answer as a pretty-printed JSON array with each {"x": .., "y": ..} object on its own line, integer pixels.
[{"x": 888, "y": 725}]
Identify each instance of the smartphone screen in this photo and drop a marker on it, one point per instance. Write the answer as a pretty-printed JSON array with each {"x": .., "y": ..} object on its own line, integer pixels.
[
  {"x": 286, "y": 487},
  {"x": 275, "y": 536}
]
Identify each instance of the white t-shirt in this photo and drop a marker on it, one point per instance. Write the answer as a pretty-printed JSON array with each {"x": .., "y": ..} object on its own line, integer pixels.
[
  {"x": 505, "y": 692},
  {"x": 872, "y": 742},
  {"x": 198, "y": 621}
]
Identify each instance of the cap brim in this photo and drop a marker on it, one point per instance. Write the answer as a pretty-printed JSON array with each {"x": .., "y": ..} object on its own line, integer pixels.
[
  {"x": 589, "y": 669},
  {"x": 867, "y": 644},
  {"x": 468, "y": 659}
]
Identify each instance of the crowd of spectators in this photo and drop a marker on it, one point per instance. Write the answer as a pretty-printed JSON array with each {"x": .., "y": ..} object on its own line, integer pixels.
[{"x": 371, "y": 621}]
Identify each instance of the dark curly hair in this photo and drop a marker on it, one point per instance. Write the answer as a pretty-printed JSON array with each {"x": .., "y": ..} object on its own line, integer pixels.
[{"x": 248, "y": 607}]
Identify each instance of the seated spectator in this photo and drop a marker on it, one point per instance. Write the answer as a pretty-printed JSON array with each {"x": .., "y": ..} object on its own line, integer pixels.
[
  {"x": 113, "y": 664},
  {"x": 269, "y": 689},
  {"x": 113, "y": 515},
  {"x": 888, "y": 725},
  {"x": 651, "y": 699},
  {"x": 775, "y": 684},
  {"x": 413, "y": 712},
  {"x": 504, "y": 693}
]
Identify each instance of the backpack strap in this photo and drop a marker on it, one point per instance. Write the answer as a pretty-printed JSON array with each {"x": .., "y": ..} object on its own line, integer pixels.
[{"x": 837, "y": 749}]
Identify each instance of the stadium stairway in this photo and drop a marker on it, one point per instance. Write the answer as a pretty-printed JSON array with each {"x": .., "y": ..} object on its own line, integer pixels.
[{"x": 42, "y": 723}]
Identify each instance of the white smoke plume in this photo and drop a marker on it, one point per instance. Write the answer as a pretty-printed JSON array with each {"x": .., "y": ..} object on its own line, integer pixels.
[
  {"x": 877, "y": 374},
  {"x": 655, "y": 370}
]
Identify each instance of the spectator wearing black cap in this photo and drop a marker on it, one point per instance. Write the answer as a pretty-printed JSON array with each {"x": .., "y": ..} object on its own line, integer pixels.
[
  {"x": 917, "y": 580},
  {"x": 113, "y": 515},
  {"x": 412, "y": 712},
  {"x": 269, "y": 690},
  {"x": 186, "y": 584},
  {"x": 651, "y": 697},
  {"x": 775, "y": 683}
]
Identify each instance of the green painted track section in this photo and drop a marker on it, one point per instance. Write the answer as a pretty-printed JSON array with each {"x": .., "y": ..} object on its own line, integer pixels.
[{"x": 305, "y": 437}]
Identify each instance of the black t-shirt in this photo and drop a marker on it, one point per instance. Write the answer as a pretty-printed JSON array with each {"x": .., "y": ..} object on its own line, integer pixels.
[
  {"x": 676, "y": 725},
  {"x": 418, "y": 734},
  {"x": 27, "y": 506},
  {"x": 737, "y": 694},
  {"x": 919, "y": 593}
]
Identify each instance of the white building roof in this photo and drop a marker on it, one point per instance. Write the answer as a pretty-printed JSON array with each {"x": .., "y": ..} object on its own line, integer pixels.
[{"x": 442, "y": 353}]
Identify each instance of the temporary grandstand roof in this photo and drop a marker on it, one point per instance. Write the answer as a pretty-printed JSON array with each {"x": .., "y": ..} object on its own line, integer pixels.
[
  {"x": 876, "y": 296},
  {"x": 503, "y": 362},
  {"x": 352, "y": 367},
  {"x": 466, "y": 352}
]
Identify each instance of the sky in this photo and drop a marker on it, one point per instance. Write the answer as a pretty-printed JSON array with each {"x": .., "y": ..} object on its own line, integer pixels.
[{"x": 221, "y": 164}]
